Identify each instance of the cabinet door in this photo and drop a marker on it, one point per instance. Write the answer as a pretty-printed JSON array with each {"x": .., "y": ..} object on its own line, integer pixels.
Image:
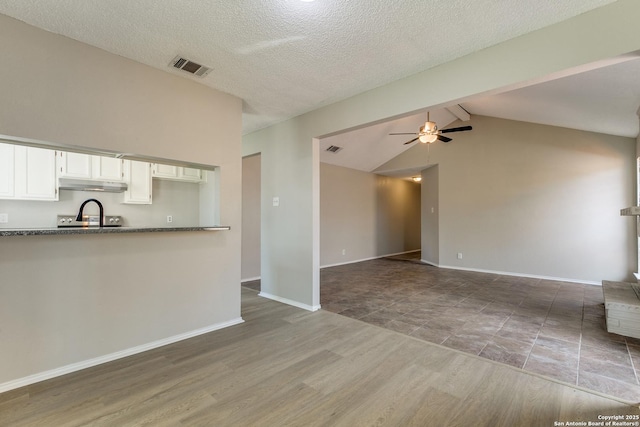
[
  {"x": 165, "y": 171},
  {"x": 178, "y": 173},
  {"x": 35, "y": 174},
  {"x": 190, "y": 174},
  {"x": 6, "y": 171},
  {"x": 107, "y": 168},
  {"x": 74, "y": 165},
  {"x": 138, "y": 178}
]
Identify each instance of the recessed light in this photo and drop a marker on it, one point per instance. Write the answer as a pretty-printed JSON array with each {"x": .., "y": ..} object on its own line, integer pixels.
[{"x": 307, "y": 1}]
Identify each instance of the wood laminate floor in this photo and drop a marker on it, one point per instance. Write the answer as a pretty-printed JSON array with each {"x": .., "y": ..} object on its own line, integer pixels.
[{"x": 288, "y": 367}]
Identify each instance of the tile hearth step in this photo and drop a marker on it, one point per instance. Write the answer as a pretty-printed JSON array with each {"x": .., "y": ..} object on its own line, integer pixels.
[{"x": 622, "y": 308}]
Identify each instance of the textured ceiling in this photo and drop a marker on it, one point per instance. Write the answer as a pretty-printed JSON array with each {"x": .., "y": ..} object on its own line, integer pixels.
[
  {"x": 603, "y": 100},
  {"x": 287, "y": 57}
]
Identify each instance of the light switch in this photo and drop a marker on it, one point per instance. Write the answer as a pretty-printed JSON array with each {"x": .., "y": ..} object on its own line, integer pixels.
[{"x": 276, "y": 201}]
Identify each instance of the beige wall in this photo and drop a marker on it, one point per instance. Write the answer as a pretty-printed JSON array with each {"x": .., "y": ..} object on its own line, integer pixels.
[
  {"x": 532, "y": 199},
  {"x": 66, "y": 301},
  {"x": 366, "y": 215},
  {"x": 430, "y": 215},
  {"x": 250, "y": 218}
]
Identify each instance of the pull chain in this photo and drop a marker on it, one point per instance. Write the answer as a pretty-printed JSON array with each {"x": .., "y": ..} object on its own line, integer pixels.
[{"x": 428, "y": 154}]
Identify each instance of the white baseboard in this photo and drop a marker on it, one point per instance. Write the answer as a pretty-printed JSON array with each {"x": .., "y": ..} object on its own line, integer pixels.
[
  {"x": 368, "y": 259},
  {"x": 251, "y": 279},
  {"x": 424, "y": 261},
  {"x": 509, "y": 273},
  {"x": 31, "y": 379},
  {"x": 290, "y": 302}
]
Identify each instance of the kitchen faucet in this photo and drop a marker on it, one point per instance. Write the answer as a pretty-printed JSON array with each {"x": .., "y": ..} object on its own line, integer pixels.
[{"x": 79, "y": 217}]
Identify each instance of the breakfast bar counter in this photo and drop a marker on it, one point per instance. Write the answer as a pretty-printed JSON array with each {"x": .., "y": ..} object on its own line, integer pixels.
[{"x": 57, "y": 231}]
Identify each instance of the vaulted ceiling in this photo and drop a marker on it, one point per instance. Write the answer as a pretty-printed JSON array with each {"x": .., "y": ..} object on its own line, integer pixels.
[{"x": 604, "y": 99}]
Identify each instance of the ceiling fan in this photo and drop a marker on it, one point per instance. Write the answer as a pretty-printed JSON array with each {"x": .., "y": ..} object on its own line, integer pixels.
[{"x": 429, "y": 133}]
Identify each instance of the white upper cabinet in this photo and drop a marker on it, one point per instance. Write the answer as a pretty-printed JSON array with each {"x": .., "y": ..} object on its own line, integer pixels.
[
  {"x": 164, "y": 171},
  {"x": 137, "y": 175},
  {"x": 107, "y": 168},
  {"x": 178, "y": 173},
  {"x": 190, "y": 174},
  {"x": 27, "y": 173},
  {"x": 35, "y": 174},
  {"x": 74, "y": 165},
  {"x": 7, "y": 188},
  {"x": 85, "y": 166}
]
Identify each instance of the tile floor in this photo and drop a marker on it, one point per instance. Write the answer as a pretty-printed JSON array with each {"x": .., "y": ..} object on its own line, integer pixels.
[{"x": 552, "y": 328}]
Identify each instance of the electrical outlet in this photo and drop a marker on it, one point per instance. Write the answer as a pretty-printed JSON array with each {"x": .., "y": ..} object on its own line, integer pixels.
[
  {"x": 169, "y": 218},
  {"x": 459, "y": 255},
  {"x": 344, "y": 252},
  {"x": 4, "y": 218},
  {"x": 276, "y": 201}
]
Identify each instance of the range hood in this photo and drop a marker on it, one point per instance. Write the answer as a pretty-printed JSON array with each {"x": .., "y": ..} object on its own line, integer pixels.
[{"x": 90, "y": 185}]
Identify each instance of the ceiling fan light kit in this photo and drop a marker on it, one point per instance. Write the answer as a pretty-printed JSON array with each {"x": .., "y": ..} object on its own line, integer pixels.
[
  {"x": 428, "y": 138},
  {"x": 429, "y": 133}
]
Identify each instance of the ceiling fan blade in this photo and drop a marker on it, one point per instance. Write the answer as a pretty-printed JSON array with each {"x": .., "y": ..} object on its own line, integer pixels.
[
  {"x": 444, "y": 138},
  {"x": 404, "y": 133},
  {"x": 460, "y": 129},
  {"x": 409, "y": 142}
]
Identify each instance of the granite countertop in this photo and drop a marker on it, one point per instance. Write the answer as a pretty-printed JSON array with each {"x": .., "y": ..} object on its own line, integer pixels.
[{"x": 104, "y": 230}]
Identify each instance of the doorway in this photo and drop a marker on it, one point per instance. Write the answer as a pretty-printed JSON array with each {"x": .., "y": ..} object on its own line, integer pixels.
[{"x": 250, "y": 260}]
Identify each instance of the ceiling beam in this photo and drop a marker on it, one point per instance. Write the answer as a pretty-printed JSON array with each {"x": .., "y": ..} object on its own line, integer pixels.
[{"x": 459, "y": 112}]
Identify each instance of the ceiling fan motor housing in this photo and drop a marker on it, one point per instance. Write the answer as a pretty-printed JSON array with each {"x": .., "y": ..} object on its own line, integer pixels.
[{"x": 429, "y": 127}]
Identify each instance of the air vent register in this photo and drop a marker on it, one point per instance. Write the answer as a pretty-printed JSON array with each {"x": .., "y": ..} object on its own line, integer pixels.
[{"x": 189, "y": 66}]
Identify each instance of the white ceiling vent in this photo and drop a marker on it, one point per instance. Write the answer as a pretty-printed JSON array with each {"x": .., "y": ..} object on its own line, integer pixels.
[
  {"x": 189, "y": 66},
  {"x": 333, "y": 149}
]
